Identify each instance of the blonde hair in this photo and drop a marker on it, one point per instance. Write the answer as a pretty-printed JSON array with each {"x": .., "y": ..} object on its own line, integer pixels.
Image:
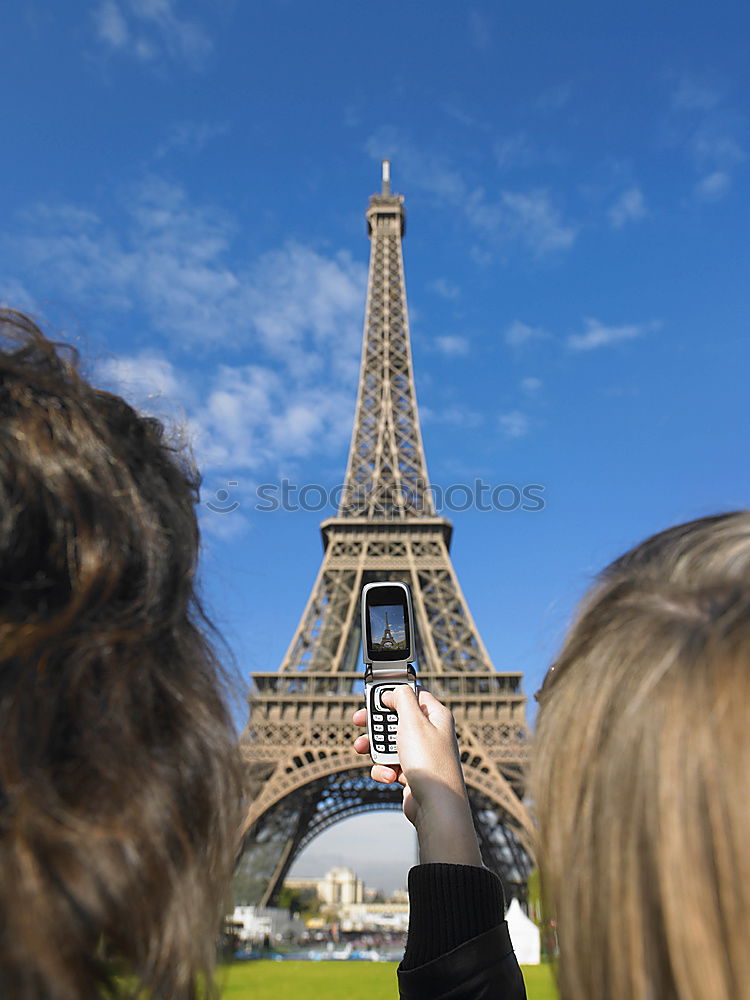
[{"x": 641, "y": 774}]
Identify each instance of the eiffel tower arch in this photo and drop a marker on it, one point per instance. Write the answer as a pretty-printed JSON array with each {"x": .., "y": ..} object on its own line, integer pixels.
[{"x": 303, "y": 775}]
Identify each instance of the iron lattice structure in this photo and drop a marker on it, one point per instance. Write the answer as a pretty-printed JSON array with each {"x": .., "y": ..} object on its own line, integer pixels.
[{"x": 303, "y": 775}]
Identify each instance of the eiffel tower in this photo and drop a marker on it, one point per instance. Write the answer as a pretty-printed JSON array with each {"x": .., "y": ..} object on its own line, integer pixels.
[
  {"x": 303, "y": 775},
  {"x": 387, "y": 642}
]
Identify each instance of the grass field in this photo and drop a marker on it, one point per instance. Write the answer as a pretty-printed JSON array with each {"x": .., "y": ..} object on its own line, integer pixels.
[{"x": 339, "y": 981}]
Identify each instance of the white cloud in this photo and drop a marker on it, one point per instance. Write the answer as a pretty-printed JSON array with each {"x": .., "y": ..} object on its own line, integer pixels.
[
  {"x": 689, "y": 94},
  {"x": 528, "y": 219},
  {"x": 151, "y": 29},
  {"x": 174, "y": 260},
  {"x": 518, "y": 334},
  {"x": 148, "y": 380},
  {"x": 225, "y": 524},
  {"x": 714, "y": 144},
  {"x": 531, "y": 385},
  {"x": 481, "y": 257},
  {"x": 597, "y": 334},
  {"x": 297, "y": 295},
  {"x": 169, "y": 258},
  {"x": 452, "y": 346},
  {"x": 514, "y": 424},
  {"x": 154, "y": 385},
  {"x": 15, "y": 295},
  {"x": 536, "y": 222},
  {"x": 253, "y": 419},
  {"x": 190, "y": 136},
  {"x": 428, "y": 172},
  {"x": 514, "y": 151},
  {"x": 445, "y": 289},
  {"x": 145, "y": 50},
  {"x": 456, "y": 415},
  {"x": 554, "y": 98},
  {"x": 236, "y": 418},
  {"x": 715, "y": 152},
  {"x": 461, "y": 115},
  {"x": 629, "y": 207},
  {"x": 713, "y": 186},
  {"x": 714, "y": 139},
  {"x": 479, "y": 30},
  {"x": 171, "y": 267},
  {"x": 111, "y": 26}
]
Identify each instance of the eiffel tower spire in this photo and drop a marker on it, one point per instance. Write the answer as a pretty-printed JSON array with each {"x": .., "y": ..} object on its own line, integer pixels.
[
  {"x": 303, "y": 775},
  {"x": 386, "y": 475}
]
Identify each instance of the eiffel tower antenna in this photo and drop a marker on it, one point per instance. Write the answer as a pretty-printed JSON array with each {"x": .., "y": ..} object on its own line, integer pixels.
[
  {"x": 386, "y": 189},
  {"x": 303, "y": 775}
]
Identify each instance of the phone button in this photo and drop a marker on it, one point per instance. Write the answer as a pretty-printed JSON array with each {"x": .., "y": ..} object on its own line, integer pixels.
[
  {"x": 379, "y": 692},
  {"x": 391, "y": 717},
  {"x": 377, "y": 716},
  {"x": 378, "y": 729},
  {"x": 392, "y": 729}
]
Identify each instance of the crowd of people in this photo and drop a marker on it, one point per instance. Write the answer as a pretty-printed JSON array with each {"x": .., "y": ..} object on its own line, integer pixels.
[{"x": 120, "y": 778}]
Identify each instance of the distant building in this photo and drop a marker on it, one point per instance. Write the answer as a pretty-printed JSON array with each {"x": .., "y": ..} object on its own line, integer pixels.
[
  {"x": 258, "y": 923},
  {"x": 374, "y": 917},
  {"x": 345, "y": 898},
  {"x": 340, "y": 886}
]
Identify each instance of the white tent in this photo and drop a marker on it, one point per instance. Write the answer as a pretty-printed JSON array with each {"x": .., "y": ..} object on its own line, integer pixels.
[{"x": 524, "y": 935}]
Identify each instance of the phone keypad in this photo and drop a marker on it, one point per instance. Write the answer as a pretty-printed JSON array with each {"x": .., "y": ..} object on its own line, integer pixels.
[{"x": 384, "y": 729}]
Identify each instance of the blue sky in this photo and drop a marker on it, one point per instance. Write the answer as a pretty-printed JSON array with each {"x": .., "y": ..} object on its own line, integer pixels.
[{"x": 182, "y": 192}]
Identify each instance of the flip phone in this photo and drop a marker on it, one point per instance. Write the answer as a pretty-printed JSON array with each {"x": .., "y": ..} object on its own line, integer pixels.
[{"x": 388, "y": 648}]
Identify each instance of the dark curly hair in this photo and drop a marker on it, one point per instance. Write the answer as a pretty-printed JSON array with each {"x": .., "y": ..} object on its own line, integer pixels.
[{"x": 119, "y": 770}]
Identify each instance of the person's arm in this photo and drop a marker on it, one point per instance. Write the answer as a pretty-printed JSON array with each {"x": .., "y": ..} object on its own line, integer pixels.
[
  {"x": 458, "y": 946},
  {"x": 435, "y": 798}
]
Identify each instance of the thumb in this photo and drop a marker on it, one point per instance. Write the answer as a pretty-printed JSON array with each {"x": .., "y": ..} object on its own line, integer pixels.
[{"x": 403, "y": 700}]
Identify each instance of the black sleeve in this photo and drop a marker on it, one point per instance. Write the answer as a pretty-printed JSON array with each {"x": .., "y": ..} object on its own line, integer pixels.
[{"x": 458, "y": 946}]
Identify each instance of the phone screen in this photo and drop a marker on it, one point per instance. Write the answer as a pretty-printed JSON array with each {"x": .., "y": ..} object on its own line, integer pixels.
[{"x": 387, "y": 625}]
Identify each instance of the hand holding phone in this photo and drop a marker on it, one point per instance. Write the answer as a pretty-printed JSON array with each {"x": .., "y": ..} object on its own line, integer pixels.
[
  {"x": 435, "y": 798},
  {"x": 388, "y": 648}
]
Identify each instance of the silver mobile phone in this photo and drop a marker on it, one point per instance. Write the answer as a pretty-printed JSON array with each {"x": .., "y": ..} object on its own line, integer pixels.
[{"x": 388, "y": 648}]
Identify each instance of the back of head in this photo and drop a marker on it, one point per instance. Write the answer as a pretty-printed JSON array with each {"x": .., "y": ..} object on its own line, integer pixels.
[
  {"x": 119, "y": 781},
  {"x": 642, "y": 757}
]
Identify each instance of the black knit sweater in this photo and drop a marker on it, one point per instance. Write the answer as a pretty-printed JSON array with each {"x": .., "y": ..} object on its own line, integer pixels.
[{"x": 458, "y": 946}]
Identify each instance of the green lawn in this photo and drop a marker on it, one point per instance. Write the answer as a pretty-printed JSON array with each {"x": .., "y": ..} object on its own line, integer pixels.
[
  {"x": 540, "y": 983},
  {"x": 339, "y": 981}
]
